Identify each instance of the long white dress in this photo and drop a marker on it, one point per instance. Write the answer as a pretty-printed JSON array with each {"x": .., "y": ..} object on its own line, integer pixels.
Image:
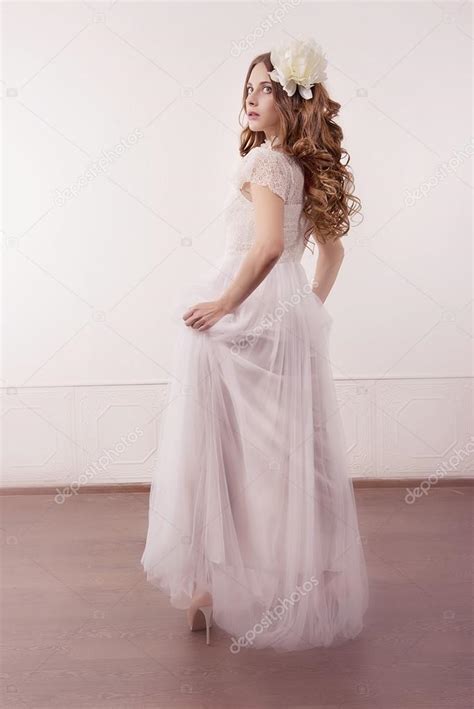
[{"x": 250, "y": 497}]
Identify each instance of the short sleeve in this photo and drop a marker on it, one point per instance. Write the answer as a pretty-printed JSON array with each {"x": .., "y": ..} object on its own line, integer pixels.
[{"x": 266, "y": 167}]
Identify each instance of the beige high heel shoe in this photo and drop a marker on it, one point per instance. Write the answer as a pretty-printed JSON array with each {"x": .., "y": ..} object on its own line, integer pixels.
[{"x": 199, "y": 614}]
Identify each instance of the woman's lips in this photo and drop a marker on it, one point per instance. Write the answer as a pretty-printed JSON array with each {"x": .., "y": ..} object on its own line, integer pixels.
[{"x": 252, "y": 116}]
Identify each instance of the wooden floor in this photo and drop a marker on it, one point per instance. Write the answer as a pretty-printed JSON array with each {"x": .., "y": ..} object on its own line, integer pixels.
[{"x": 81, "y": 626}]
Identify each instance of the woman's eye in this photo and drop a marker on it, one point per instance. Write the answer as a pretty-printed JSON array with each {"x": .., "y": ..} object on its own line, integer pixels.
[{"x": 249, "y": 89}]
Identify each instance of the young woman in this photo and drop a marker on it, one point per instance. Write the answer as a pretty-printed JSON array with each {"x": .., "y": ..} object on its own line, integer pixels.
[{"x": 252, "y": 517}]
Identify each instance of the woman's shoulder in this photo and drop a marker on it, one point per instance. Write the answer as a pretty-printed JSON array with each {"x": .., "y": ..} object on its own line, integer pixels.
[
  {"x": 265, "y": 166},
  {"x": 272, "y": 159},
  {"x": 264, "y": 152},
  {"x": 266, "y": 158}
]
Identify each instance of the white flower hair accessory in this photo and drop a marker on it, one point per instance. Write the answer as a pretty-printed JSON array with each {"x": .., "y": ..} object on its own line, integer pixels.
[{"x": 298, "y": 65}]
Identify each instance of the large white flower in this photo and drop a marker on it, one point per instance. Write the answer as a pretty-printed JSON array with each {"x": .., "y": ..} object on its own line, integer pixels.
[{"x": 300, "y": 64}]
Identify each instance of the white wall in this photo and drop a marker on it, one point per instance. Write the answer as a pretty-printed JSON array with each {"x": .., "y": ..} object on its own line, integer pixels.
[{"x": 89, "y": 277}]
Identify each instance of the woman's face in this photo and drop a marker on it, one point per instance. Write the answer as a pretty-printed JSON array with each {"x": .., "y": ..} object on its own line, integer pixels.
[{"x": 260, "y": 102}]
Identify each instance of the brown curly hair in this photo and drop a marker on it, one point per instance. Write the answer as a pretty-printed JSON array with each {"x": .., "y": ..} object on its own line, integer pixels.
[{"x": 309, "y": 134}]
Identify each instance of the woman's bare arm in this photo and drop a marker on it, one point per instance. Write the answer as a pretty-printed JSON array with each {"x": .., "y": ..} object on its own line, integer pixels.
[
  {"x": 265, "y": 251},
  {"x": 328, "y": 264}
]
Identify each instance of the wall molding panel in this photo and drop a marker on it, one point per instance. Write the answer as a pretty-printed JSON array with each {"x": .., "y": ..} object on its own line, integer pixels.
[{"x": 95, "y": 435}]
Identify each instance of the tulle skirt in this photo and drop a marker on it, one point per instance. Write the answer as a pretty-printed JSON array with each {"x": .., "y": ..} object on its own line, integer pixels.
[{"x": 250, "y": 497}]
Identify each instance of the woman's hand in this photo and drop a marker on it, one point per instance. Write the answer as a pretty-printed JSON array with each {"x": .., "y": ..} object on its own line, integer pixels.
[{"x": 203, "y": 316}]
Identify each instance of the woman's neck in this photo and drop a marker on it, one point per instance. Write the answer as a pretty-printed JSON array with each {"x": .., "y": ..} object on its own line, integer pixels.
[{"x": 272, "y": 141}]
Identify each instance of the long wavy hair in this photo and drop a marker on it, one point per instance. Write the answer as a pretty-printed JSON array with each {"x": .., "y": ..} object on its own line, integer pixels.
[{"x": 308, "y": 133}]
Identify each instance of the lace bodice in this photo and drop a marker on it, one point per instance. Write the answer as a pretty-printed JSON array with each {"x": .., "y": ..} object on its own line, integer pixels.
[{"x": 266, "y": 165}]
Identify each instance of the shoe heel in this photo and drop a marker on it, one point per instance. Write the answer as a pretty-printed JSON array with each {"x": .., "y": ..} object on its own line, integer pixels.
[{"x": 207, "y": 612}]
